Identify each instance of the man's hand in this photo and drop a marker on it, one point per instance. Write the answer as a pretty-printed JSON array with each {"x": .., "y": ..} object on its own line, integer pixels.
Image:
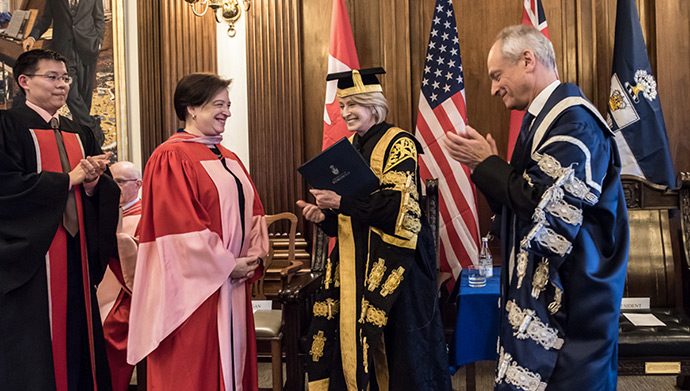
[
  {"x": 89, "y": 169},
  {"x": 471, "y": 148},
  {"x": 28, "y": 43},
  {"x": 326, "y": 199},
  {"x": 311, "y": 212},
  {"x": 95, "y": 166},
  {"x": 244, "y": 269}
]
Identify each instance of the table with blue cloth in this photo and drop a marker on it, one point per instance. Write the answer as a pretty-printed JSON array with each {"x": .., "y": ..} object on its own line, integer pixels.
[{"x": 476, "y": 330}]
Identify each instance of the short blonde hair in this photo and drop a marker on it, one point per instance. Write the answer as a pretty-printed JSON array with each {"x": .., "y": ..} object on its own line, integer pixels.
[{"x": 375, "y": 101}]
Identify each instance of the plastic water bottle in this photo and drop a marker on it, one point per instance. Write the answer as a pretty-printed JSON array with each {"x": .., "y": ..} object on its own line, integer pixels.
[{"x": 486, "y": 263}]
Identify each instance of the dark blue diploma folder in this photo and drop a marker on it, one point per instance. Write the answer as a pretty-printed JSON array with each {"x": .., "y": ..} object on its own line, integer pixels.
[{"x": 342, "y": 169}]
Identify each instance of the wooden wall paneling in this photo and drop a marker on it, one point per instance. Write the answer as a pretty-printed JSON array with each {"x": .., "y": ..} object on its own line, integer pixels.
[
  {"x": 673, "y": 75},
  {"x": 275, "y": 111},
  {"x": 395, "y": 38},
  {"x": 172, "y": 43},
  {"x": 605, "y": 23},
  {"x": 316, "y": 22}
]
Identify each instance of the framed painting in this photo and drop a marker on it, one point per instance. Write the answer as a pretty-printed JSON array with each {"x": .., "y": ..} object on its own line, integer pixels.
[{"x": 93, "y": 43}]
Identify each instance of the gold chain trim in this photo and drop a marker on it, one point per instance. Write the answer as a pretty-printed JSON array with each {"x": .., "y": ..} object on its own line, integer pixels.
[
  {"x": 327, "y": 309},
  {"x": 317, "y": 346},
  {"x": 392, "y": 282},
  {"x": 376, "y": 274},
  {"x": 397, "y": 180},
  {"x": 327, "y": 279},
  {"x": 372, "y": 314},
  {"x": 336, "y": 282}
]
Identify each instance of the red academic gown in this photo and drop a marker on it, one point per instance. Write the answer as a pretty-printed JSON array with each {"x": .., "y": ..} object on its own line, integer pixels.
[
  {"x": 49, "y": 322},
  {"x": 115, "y": 297},
  {"x": 191, "y": 321}
]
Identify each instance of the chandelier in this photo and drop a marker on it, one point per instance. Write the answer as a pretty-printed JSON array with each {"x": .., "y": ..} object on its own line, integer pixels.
[{"x": 228, "y": 11}]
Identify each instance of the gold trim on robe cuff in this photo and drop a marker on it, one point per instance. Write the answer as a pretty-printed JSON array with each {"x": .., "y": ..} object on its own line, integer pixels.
[{"x": 319, "y": 385}]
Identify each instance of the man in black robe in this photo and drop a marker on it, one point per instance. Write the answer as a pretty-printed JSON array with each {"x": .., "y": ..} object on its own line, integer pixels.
[
  {"x": 78, "y": 30},
  {"x": 59, "y": 216}
]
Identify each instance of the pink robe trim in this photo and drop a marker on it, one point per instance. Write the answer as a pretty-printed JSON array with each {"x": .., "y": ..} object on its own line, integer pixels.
[{"x": 232, "y": 314}]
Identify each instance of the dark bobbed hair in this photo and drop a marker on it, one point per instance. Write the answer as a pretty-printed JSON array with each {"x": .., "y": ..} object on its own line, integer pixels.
[
  {"x": 197, "y": 89},
  {"x": 27, "y": 62}
]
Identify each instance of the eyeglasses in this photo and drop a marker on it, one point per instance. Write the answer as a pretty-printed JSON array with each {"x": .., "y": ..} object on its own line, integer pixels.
[
  {"x": 54, "y": 77},
  {"x": 120, "y": 181}
]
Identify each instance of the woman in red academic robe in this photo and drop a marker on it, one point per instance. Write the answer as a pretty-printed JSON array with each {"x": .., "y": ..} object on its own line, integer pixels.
[{"x": 202, "y": 234}]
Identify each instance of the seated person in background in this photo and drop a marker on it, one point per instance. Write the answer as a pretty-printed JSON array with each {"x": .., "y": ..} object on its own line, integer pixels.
[
  {"x": 58, "y": 217},
  {"x": 114, "y": 292},
  {"x": 376, "y": 321},
  {"x": 202, "y": 232},
  {"x": 564, "y": 224}
]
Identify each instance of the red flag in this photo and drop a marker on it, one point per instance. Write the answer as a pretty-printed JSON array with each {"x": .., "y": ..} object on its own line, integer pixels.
[
  {"x": 342, "y": 56},
  {"x": 532, "y": 14},
  {"x": 441, "y": 110}
]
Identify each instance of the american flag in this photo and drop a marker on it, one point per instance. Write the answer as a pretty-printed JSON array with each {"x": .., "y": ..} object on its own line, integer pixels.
[
  {"x": 441, "y": 110},
  {"x": 342, "y": 56},
  {"x": 532, "y": 14}
]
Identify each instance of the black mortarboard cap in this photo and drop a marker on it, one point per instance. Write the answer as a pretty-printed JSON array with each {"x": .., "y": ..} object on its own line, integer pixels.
[{"x": 357, "y": 81}]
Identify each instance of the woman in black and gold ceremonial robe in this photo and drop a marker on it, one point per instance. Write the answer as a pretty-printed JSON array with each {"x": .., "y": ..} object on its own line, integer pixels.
[{"x": 376, "y": 320}]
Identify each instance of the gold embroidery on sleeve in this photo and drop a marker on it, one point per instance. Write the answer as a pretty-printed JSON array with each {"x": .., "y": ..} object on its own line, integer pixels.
[
  {"x": 327, "y": 309},
  {"x": 376, "y": 274},
  {"x": 393, "y": 281},
  {"x": 373, "y": 315},
  {"x": 327, "y": 280},
  {"x": 365, "y": 354},
  {"x": 336, "y": 283},
  {"x": 317, "y": 346},
  {"x": 403, "y": 149}
]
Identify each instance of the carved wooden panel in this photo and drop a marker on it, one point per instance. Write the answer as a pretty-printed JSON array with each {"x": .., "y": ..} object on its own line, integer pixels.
[{"x": 173, "y": 42}]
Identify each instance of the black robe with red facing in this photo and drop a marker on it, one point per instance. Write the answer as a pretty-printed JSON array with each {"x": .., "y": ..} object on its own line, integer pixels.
[{"x": 47, "y": 288}]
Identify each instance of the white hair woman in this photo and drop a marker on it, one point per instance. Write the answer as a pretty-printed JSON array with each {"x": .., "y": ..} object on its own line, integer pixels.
[{"x": 378, "y": 301}]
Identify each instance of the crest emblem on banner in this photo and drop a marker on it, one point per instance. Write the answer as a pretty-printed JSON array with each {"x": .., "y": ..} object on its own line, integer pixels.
[{"x": 645, "y": 84}]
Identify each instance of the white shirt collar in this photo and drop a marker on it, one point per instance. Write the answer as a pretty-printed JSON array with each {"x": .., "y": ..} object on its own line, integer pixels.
[
  {"x": 130, "y": 204},
  {"x": 539, "y": 102}
]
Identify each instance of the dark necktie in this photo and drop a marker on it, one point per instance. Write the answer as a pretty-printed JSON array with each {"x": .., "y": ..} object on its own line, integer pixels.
[
  {"x": 70, "y": 220},
  {"x": 521, "y": 142}
]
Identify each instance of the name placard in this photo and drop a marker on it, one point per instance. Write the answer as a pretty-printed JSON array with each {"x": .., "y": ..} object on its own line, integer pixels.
[{"x": 635, "y": 303}]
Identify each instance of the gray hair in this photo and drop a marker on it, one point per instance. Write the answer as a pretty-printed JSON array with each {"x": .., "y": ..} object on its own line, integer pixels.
[
  {"x": 516, "y": 39},
  {"x": 374, "y": 101}
]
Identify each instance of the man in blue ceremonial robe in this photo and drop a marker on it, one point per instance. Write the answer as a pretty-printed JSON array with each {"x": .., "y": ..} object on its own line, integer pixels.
[{"x": 564, "y": 227}]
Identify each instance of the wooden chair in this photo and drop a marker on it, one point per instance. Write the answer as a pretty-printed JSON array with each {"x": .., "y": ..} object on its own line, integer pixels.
[
  {"x": 658, "y": 268},
  {"x": 268, "y": 324}
]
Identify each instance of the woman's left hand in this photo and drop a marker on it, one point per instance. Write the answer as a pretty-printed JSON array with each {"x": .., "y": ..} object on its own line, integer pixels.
[{"x": 326, "y": 199}]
